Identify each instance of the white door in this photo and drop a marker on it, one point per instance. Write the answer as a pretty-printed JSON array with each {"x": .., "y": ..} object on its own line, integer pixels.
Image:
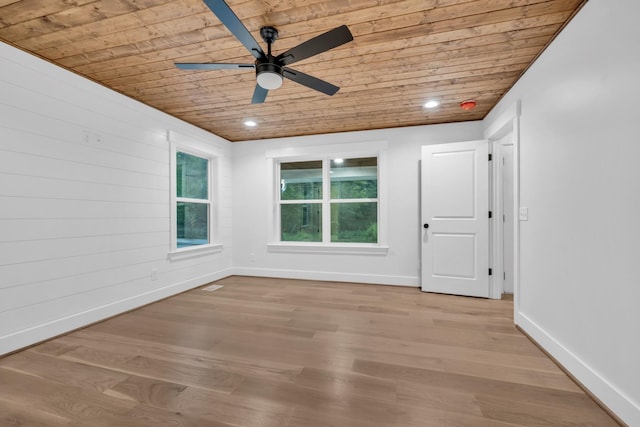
[{"x": 455, "y": 218}]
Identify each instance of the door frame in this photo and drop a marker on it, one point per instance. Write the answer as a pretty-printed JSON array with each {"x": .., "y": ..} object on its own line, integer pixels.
[{"x": 509, "y": 121}]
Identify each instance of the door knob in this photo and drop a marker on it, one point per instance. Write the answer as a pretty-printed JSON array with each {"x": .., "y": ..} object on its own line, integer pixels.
[{"x": 426, "y": 226}]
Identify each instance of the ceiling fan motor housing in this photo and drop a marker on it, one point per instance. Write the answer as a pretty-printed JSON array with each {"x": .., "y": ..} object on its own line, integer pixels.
[
  {"x": 269, "y": 34},
  {"x": 268, "y": 72}
]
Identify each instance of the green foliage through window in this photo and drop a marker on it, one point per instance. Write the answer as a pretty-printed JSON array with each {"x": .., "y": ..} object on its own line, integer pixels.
[
  {"x": 192, "y": 194},
  {"x": 350, "y": 220},
  {"x": 192, "y": 176},
  {"x": 301, "y": 222}
]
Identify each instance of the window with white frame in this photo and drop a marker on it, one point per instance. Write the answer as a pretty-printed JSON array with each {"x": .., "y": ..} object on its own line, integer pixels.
[
  {"x": 192, "y": 200},
  {"x": 329, "y": 200},
  {"x": 195, "y": 190}
]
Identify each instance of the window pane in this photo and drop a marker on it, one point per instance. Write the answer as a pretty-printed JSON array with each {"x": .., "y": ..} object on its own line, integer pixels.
[
  {"x": 192, "y": 224},
  {"x": 191, "y": 176},
  {"x": 301, "y": 222},
  {"x": 354, "y": 222},
  {"x": 354, "y": 178},
  {"x": 301, "y": 180}
]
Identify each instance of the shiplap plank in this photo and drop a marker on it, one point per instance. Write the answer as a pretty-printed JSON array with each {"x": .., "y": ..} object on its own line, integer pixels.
[
  {"x": 43, "y": 250},
  {"x": 24, "y": 229},
  {"x": 70, "y": 170}
]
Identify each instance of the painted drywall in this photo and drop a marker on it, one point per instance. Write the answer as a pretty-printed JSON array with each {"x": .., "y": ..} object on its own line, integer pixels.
[
  {"x": 84, "y": 202},
  {"x": 252, "y": 206},
  {"x": 579, "y": 177}
]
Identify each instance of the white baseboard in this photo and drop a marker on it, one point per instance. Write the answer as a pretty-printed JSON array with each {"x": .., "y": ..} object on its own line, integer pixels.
[
  {"x": 614, "y": 399},
  {"x": 328, "y": 276},
  {"x": 27, "y": 337}
]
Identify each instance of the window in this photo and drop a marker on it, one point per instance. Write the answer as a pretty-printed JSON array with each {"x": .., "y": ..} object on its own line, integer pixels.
[
  {"x": 195, "y": 191},
  {"x": 354, "y": 200},
  {"x": 329, "y": 200},
  {"x": 193, "y": 202},
  {"x": 301, "y": 201}
]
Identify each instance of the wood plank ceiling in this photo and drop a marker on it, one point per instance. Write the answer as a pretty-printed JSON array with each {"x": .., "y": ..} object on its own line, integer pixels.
[{"x": 404, "y": 53}]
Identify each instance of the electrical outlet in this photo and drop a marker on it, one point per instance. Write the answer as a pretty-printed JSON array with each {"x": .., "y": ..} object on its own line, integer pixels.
[
  {"x": 252, "y": 257},
  {"x": 154, "y": 274}
]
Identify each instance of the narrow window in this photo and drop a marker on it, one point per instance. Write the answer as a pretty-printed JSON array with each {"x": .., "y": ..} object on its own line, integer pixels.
[{"x": 193, "y": 200}]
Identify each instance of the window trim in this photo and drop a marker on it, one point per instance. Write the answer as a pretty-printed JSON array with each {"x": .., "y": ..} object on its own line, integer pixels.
[
  {"x": 179, "y": 143},
  {"x": 325, "y": 153}
]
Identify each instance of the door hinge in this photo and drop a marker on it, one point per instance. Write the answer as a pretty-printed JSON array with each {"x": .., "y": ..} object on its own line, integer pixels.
[
  {"x": 490, "y": 272},
  {"x": 504, "y": 275},
  {"x": 490, "y": 214},
  {"x": 490, "y": 156}
]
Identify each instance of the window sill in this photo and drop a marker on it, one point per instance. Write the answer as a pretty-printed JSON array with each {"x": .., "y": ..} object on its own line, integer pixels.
[
  {"x": 196, "y": 251},
  {"x": 339, "y": 249}
]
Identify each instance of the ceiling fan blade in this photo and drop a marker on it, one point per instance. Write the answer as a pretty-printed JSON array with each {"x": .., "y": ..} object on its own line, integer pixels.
[
  {"x": 233, "y": 24},
  {"x": 259, "y": 95},
  {"x": 211, "y": 66},
  {"x": 322, "y": 43},
  {"x": 310, "y": 81}
]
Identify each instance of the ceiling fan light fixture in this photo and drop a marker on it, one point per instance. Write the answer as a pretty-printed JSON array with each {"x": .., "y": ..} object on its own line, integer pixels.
[
  {"x": 269, "y": 80},
  {"x": 269, "y": 76}
]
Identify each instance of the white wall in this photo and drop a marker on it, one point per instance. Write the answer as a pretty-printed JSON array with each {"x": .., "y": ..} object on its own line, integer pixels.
[
  {"x": 252, "y": 207},
  {"x": 579, "y": 177},
  {"x": 83, "y": 224}
]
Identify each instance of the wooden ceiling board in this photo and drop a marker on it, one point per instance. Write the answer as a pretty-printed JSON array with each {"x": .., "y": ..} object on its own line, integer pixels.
[{"x": 404, "y": 52}]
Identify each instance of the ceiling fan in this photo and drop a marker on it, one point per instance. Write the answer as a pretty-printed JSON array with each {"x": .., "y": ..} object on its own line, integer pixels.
[{"x": 270, "y": 69}]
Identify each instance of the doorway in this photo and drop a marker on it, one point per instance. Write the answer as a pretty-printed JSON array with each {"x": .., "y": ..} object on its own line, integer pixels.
[
  {"x": 456, "y": 194},
  {"x": 506, "y": 215}
]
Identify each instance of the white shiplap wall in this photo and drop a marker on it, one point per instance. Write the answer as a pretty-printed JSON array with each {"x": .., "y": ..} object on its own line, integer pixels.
[{"x": 82, "y": 222}]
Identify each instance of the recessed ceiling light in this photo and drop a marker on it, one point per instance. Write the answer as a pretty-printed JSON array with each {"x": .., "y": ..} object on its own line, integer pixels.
[
  {"x": 431, "y": 104},
  {"x": 250, "y": 123},
  {"x": 338, "y": 161}
]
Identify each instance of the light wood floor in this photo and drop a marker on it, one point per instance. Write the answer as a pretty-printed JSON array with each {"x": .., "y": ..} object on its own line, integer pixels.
[{"x": 273, "y": 352}]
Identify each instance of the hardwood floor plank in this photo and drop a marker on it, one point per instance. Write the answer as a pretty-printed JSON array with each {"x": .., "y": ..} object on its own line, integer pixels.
[
  {"x": 345, "y": 384},
  {"x": 18, "y": 414},
  {"x": 63, "y": 371},
  {"x": 197, "y": 358},
  {"x": 426, "y": 396},
  {"x": 532, "y": 414},
  {"x": 59, "y": 400},
  {"x": 233, "y": 410},
  {"x": 147, "y": 391},
  {"x": 213, "y": 378},
  {"x": 294, "y": 353},
  {"x": 356, "y": 406},
  {"x": 504, "y": 391}
]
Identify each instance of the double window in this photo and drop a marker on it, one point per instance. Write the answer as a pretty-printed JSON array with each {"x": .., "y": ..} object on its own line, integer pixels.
[{"x": 330, "y": 200}]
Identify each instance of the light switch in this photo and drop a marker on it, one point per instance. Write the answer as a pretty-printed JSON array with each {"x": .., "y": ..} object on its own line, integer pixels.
[{"x": 524, "y": 214}]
